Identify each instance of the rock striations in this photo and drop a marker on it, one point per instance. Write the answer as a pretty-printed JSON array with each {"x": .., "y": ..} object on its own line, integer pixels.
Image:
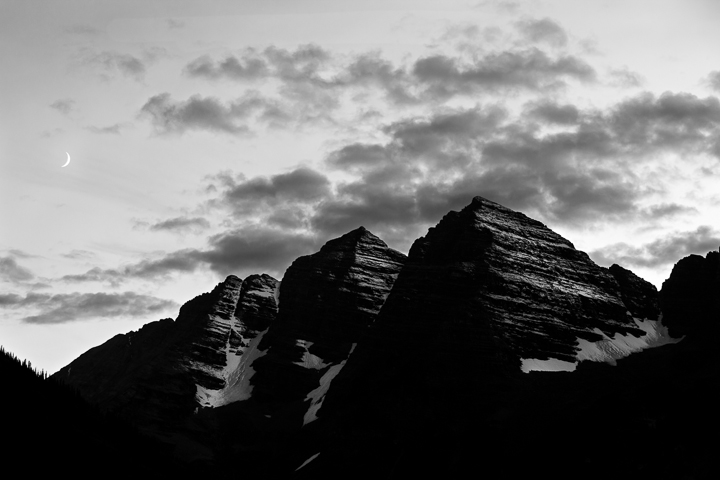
[
  {"x": 327, "y": 302},
  {"x": 488, "y": 286}
]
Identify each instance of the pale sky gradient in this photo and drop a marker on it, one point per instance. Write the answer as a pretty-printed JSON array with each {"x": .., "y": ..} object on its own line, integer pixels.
[{"x": 217, "y": 137}]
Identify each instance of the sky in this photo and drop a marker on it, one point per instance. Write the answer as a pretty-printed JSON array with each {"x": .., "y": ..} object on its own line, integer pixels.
[{"x": 210, "y": 138}]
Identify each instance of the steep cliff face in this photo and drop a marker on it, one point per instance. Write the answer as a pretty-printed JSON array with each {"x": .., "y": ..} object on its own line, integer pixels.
[
  {"x": 162, "y": 373},
  {"x": 236, "y": 342},
  {"x": 327, "y": 301},
  {"x": 690, "y": 298}
]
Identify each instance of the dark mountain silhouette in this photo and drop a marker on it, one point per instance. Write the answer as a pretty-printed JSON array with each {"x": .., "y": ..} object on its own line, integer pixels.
[
  {"x": 366, "y": 362},
  {"x": 49, "y": 429}
]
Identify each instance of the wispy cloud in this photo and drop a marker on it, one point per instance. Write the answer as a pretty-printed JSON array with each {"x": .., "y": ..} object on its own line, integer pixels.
[
  {"x": 64, "y": 106},
  {"x": 71, "y": 307},
  {"x": 625, "y": 78},
  {"x": 302, "y": 186},
  {"x": 83, "y": 30},
  {"x": 174, "y": 24},
  {"x": 110, "y": 129},
  {"x": 181, "y": 224},
  {"x": 112, "y": 63},
  {"x": 713, "y": 80},
  {"x": 664, "y": 251},
  {"x": 247, "y": 250},
  {"x": 79, "y": 254},
  {"x": 544, "y": 30},
  {"x": 11, "y": 271},
  {"x": 200, "y": 113}
]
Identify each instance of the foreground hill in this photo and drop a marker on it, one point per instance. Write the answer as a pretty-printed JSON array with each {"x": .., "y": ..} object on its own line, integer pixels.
[{"x": 49, "y": 429}]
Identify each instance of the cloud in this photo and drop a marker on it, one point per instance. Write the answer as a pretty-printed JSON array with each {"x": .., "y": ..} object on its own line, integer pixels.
[
  {"x": 247, "y": 250},
  {"x": 112, "y": 276},
  {"x": 660, "y": 252},
  {"x": 79, "y": 254},
  {"x": 665, "y": 210},
  {"x": 445, "y": 137},
  {"x": 233, "y": 68},
  {"x": 555, "y": 161},
  {"x": 625, "y": 78},
  {"x": 20, "y": 253},
  {"x": 11, "y": 271},
  {"x": 530, "y": 69},
  {"x": 357, "y": 156},
  {"x": 713, "y": 80},
  {"x": 257, "y": 249},
  {"x": 110, "y": 129},
  {"x": 112, "y": 62},
  {"x": 83, "y": 30},
  {"x": 300, "y": 186},
  {"x": 174, "y": 24},
  {"x": 303, "y": 65},
  {"x": 10, "y": 299},
  {"x": 180, "y": 261},
  {"x": 181, "y": 224},
  {"x": 315, "y": 76},
  {"x": 586, "y": 171},
  {"x": 543, "y": 30},
  {"x": 390, "y": 214},
  {"x": 677, "y": 121},
  {"x": 199, "y": 113},
  {"x": 550, "y": 112},
  {"x": 64, "y": 106},
  {"x": 63, "y": 308}
]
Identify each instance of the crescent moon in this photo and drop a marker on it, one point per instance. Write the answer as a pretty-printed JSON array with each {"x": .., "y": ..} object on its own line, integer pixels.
[{"x": 68, "y": 160}]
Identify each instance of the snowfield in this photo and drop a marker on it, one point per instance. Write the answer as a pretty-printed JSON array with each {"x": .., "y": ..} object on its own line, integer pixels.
[{"x": 608, "y": 349}]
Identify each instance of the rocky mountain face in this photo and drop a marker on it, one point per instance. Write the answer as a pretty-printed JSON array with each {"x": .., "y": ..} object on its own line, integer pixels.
[
  {"x": 328, "y": 300},
  {"x": 690, "y": 298},
  {"x": 159, "y": 375},
  {"x": 368, "y": 361}
]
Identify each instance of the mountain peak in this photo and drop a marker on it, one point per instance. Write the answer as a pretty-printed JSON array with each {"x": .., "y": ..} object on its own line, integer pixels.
[
  {"x": 350, "y": 241},
  {"x": 232, "y": 279}
]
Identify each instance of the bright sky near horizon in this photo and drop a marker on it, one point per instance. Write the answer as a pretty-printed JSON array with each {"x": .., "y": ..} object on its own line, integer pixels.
[{"x": 218, "y": 137}]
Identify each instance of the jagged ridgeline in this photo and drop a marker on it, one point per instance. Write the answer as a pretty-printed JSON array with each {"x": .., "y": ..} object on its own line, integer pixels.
[{"x": 365, "y": 360}]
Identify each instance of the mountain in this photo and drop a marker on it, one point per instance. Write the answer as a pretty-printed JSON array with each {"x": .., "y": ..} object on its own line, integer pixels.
[
  {"x": 365, "y": 361},
  {"x": 221, "y": 349},
  {"x": 690, "y": 298},
  {"x": 159, "y": 376}
]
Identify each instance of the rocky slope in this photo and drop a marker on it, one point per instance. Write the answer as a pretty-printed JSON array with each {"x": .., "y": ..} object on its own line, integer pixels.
[
  {"x": 690, "y": 298},
  {"x": 159, "y": 375},
  {"x": 327, "y": 302}
]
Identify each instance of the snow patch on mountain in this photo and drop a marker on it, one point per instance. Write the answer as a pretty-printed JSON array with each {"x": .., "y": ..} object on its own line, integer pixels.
[
  {"x": 609, "y": 349},
  {"x": 308, "y": 461},
  {"x": 237, "y": 374},
  {"x": 308, "y": 359},
  {"x": 276, "y": 293},
  {"x": 317, "y": 396},
  {"x": 549, "y": 365}
]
